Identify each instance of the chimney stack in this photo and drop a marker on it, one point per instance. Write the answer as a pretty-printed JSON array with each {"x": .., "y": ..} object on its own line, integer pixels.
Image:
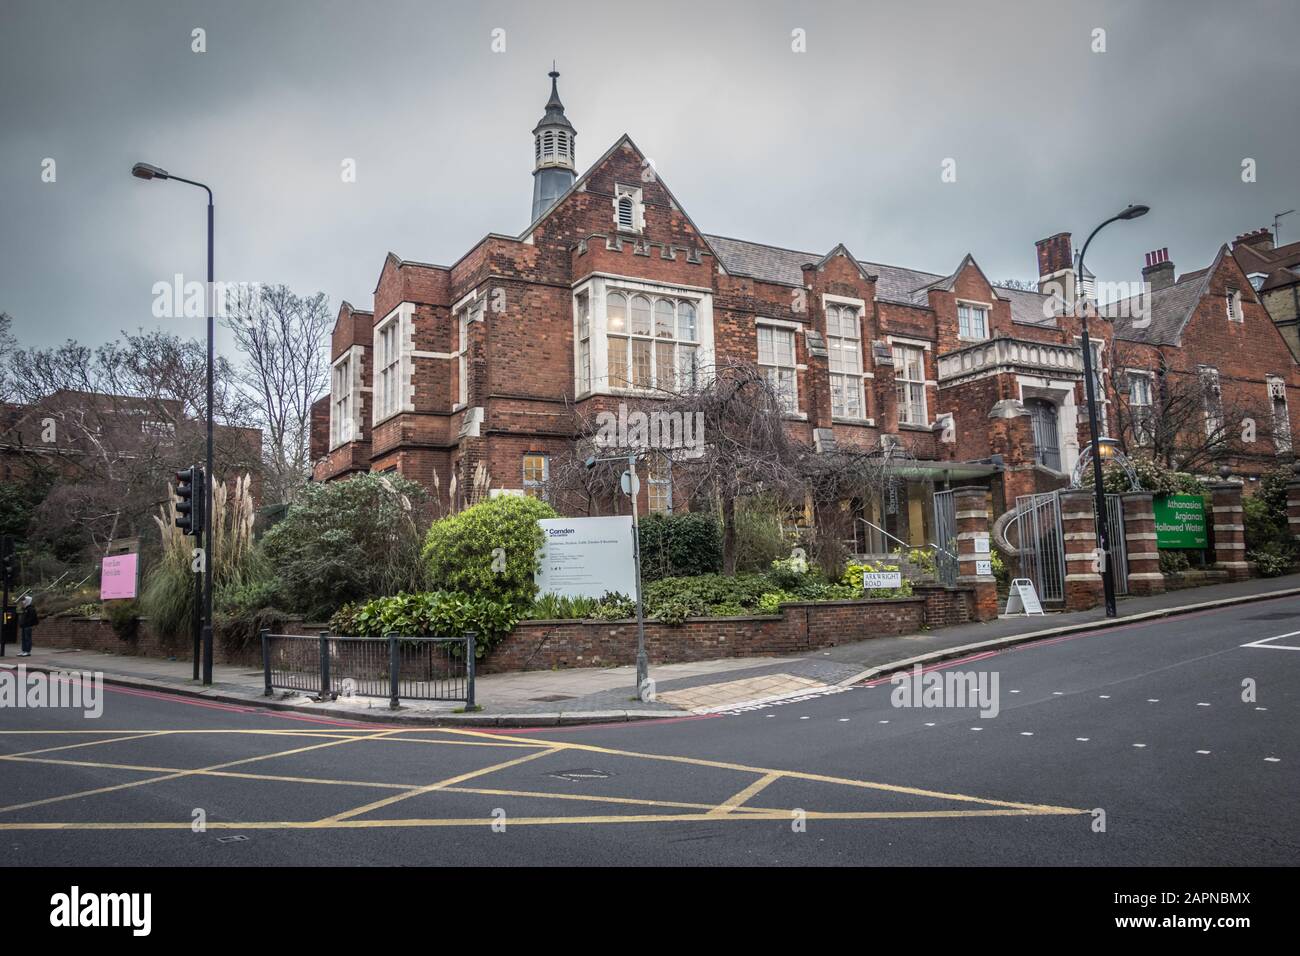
[
  {"x": 1056, "y": 267},
  {"x": 1159, "y": 271},
  {"x": 1261, "y": 240}
]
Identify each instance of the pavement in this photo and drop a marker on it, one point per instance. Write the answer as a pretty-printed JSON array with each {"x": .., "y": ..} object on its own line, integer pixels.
[
  {"x": 1164, "y": 741},
  {"x": 599, "y": 695}
]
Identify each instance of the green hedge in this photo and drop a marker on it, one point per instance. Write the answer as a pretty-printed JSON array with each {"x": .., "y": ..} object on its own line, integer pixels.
[
  {"x": 431, "y": 614},
  {"x": 679, "y": 545},
  {"x": 489, "y": 550}
]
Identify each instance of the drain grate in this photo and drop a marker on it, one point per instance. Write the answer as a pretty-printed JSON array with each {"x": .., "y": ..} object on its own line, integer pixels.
[
  {"x": 233, "y": 839},
  {"x": 587, "y": 773},
  {"x": 551, "y": 698}
]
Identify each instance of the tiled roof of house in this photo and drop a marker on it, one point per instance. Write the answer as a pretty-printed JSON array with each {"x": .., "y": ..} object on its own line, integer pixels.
[{"x": 1170, "y": 310}]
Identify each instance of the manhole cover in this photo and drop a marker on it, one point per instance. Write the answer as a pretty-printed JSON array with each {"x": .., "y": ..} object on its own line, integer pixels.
[
  {"x": 551, "y": 698},
  {"x": 587, "y": 774}
]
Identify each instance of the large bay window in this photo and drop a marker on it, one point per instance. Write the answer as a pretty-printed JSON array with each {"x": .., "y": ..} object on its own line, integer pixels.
[
  {"x": 651, "y": 341},
  {"x": 909, "y": 384},
  {"x": 776, "y": 359},
  {"x": 844, "y": 344}
]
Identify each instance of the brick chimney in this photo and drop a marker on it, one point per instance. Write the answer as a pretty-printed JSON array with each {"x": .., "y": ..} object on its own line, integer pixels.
[
  {"x": 1056, "y": 267},
  {"x": 1261, "y": 240},
  {"x": 1159, "y": 271}
]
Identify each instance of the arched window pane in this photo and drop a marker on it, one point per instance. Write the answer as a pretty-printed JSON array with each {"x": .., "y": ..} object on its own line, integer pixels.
[
  {"x": 640, "y": 315},
  {"x": 686, "y": 321},
  {"x": 664, "y": 318},
  {"x": 616, "y": 307}
]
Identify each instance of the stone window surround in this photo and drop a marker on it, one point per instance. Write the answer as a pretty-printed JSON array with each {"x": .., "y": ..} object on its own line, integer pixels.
[
  {"x": 354, "y": 356},
  {"x": 863, "y": 356},
  {"x": 404, "y": 315},
  {"x": 1060, "y": 392},
  {"x": 987, "y": 308},
  {"x": 597, "y": 285}
]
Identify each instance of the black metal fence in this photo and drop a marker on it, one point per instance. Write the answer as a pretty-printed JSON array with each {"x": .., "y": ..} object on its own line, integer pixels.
[{"x": 414, "y": 668}]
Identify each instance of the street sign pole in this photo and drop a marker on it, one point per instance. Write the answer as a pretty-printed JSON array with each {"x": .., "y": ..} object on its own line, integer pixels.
[{"x": 642, "y": 663}]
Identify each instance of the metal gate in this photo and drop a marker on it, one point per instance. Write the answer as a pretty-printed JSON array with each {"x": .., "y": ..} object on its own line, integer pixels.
[
  {"x": 1116, "y": 546},
  {"x": 945, "y": 537},
  {"x": 1042, "y": 546}
]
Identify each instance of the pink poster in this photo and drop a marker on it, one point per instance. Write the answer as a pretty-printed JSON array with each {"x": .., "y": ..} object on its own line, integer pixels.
[{"x": 118, "y": 578}]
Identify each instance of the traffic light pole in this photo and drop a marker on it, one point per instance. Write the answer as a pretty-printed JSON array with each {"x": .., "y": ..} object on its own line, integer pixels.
[
  {"x": 196, "y": 623},
  {"x": 209, "y": 562}
]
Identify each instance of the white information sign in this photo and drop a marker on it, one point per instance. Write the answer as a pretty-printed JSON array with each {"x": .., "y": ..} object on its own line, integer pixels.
[
  {"x": 1023, "y": 598},
  {"x": 882, "y": 579},
  {"x": 981, "y": 544},
  {"x": 983, "y": 567},
  {"x": 585, "y": 557}
]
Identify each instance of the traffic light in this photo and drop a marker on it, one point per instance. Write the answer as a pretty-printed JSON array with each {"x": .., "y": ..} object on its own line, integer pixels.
[
  {"x": 190, "y": 489},
  {"x": 8, "y": 558}
]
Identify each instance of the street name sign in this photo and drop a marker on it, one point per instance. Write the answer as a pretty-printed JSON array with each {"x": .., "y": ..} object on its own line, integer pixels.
[{"x": 881, "y": 579}]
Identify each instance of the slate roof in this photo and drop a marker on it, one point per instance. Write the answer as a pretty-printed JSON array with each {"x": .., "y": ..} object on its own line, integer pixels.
[
  {"x": 893, "y": 283},
  {"x": 1171, "y": 308}
]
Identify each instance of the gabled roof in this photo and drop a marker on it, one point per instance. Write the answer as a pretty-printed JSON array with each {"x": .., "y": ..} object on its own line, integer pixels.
[
  {"x": 1171, "y": 308},
  {"x": 582, "y": 180},
  {"x": 842, "y": 250}
]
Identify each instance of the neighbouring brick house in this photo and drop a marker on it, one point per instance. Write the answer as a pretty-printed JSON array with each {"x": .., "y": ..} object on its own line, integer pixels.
[
  {"x": 613, "y": 287},
  {"x": 1274, "y": 274}
]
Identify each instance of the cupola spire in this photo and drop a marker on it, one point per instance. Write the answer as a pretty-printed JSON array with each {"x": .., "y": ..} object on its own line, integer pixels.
[{"x": 553, "y": 152}]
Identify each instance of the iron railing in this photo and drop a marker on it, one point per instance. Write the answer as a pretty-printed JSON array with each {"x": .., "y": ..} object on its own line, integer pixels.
[{"x": 414, "y": 668}]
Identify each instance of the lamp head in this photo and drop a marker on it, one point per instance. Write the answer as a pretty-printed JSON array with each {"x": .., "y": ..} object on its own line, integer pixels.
[
  {"x": 148, "y": 171},
  {"x": 1134, "y": 212}
]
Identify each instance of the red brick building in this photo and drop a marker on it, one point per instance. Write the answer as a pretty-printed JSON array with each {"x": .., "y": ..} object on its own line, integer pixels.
[{"x": 613, "y": 287}]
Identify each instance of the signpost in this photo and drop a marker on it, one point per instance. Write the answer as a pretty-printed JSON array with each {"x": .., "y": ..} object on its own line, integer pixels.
[
  {"x": 1023, "y": 599},
  {"x": 1180, "y": 521}
]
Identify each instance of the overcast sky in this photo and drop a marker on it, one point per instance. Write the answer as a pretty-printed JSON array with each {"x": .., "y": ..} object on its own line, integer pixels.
[{"x": 843, "y": 142}]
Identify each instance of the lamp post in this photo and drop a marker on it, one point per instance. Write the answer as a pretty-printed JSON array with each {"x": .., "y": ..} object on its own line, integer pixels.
[
  {"x": 149, "y": 171},
  {"x": 1090, "y": 389}
]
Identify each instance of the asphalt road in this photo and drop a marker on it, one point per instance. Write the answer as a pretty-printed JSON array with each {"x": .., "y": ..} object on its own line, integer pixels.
[{"x": 1131, "y": 746}]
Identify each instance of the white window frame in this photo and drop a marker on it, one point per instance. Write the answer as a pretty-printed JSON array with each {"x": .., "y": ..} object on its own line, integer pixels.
[
  {"x": 467, "y": 310},
  {"x": 1282, "y": 441},
  {"x": 838, "y": 305},
  {"x": 633, "y": 197},
  {"x": 1143, "y": 432},
  {"x": 1208, "y": 375},
  {"x": 393, "y": 343},
  {"x": 582, "y": 337},
  {"x": 659, "y": 485},
  {"x": 782, "y": 377},
  {"x": 345, "y": 398},
  {"x": 1233, "y": 300},
  {"x": 902, "y": 384},
  {"x": 533, "y": 484},
  {"x": 683, "y": 352},
  {"x": 984, "y": 309}
]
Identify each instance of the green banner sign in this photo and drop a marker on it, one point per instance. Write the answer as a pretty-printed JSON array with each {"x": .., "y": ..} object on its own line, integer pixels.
[{"x": 1180, "y": 521}]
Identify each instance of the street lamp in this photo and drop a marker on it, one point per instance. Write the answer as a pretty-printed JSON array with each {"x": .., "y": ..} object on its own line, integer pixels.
[
  {"x": 1090, "y": 388},
  {"x": 633, "y": 487},
  {"x": 149, "y": 171}
]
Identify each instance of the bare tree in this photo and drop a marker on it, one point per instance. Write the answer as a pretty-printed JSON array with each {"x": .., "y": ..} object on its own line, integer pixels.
[
  {"x": 284, "y": 338},
  {"x": 726, "y": 439},
  {"x": 1184, "y": 420}
]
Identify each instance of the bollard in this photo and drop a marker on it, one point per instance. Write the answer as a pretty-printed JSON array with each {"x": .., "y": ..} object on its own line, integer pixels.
[
  {"x": 394, "y": 668},
  {"x": 471, "y": 648},
  {"x": 324, "y": 664},
  {"x": 266, "y": 659}
]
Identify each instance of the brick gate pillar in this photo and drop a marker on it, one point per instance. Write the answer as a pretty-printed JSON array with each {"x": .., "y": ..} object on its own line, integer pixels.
[
  {"x": 1229, "y": 530},
  {"x": 1144, "y": 575},
  {"x": 972, "y": 514},
  {"x": 1083, "y": 585},
  {"x": 1293, "y": 507}
]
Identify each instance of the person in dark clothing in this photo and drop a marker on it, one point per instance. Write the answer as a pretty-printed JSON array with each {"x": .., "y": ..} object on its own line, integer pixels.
[{"x": 27, "y": 620}]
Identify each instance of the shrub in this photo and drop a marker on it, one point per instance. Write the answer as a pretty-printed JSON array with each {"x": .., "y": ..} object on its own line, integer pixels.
[
  {"x": 430, "y": 614},
  {"x": 759, "y": 538},
  {"x": 123, "y": 617},
  {"x": 1270, "y": 561},
  {"x": 554, "y": 607},
  {"x": 1151, "y": 475},
  {"x": 852, "y": 577},
  {"x": 461, "y": 551},
  {"x": 679, "y": 545},
  {"x": 1173, "y": 561},
  {"x": 348, "y": 540}
]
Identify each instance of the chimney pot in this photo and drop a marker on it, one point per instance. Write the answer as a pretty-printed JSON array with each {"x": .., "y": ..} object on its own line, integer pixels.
[{"x": 1158, "y": 271}]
